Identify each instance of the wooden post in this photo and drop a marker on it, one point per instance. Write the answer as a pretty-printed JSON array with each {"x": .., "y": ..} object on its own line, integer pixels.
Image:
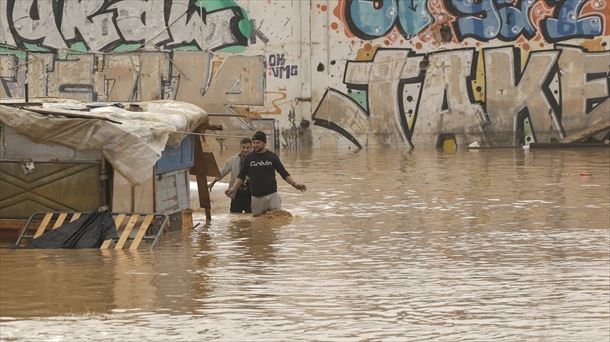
[
  {"x": 199, "y": 169},
  {"x": 205, "y": 165},
  {"x": 187, "y": 219}
]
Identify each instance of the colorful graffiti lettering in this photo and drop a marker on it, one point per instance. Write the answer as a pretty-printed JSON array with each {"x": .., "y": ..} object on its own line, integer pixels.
[
  {"x": 487, "y": 20},
  {"x": 98, "y": 25},
  {"x": 81, "y": 50},
  {"x": 482, "y": 20},
  {"x": 413, "y": 97},
  {"x": 138, "y": 77},
  {"x": 501, "y": 72},
  {"x": 500, "y": 18},
  {"x": 566, "y": 22},
  {"x": 373, "y": 19}
]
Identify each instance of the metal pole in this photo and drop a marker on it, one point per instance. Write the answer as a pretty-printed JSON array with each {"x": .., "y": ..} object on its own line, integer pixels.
[{"x": 27, "y": 95}]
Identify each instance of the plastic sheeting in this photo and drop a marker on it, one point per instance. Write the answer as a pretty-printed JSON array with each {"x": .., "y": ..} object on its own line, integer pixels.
[
  {"x": 132, "y": 141},
  {"x": 89, "y": 231}
]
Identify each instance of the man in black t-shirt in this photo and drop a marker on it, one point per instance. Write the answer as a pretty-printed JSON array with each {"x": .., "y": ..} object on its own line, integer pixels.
[{"x": 260, "y": 166}]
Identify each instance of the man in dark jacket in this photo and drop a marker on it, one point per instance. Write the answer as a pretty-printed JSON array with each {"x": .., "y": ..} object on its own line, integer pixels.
[{"x": 260, "y": 166}]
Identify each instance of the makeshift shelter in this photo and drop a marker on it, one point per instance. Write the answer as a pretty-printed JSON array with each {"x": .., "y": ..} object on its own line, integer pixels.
[{"x": 67, "y": 155}]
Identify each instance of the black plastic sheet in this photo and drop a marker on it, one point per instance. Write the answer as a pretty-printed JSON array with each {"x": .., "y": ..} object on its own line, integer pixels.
[{"x": 89, "y": 231}]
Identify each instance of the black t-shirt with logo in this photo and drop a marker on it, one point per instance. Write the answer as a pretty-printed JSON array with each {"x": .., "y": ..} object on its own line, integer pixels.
[{"x": 261, "y": 167}]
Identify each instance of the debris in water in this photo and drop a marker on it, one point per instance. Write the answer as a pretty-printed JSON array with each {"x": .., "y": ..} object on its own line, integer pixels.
[{"x": 277, "y": 213}]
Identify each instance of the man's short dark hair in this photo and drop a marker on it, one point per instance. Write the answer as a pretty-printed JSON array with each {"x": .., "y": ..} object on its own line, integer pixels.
[{"x": 245, "y": 141}]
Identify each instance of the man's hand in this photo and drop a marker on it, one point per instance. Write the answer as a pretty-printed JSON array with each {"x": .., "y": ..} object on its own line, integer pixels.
[
  {"x": 300, "y": 187},
  {"x": 230, "y": 192},
  {"x": 233, "y": 189}
]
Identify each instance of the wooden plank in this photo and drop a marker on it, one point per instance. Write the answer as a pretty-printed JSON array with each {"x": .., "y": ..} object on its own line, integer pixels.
[
  {"x": 60, "y": 220},
  {"x": 199, "y": 166},
  {"x": 203, "y": 191},
  {"x": 141, "y": 232},
  {"x": 205, "y": 163},
  {"x": 106, "y": 244},
  {"x": 211, "y": 167},
  {"x": 183, "y": 187},
  {"x": 16, "y": 224},
  {"x": 75, "y": 217},
  {"x": 43, "y": 224},
  {"x": 117, "y": 223},
  {"x": 208, "y": 214},
  {"x": 127, "y": 231},
  {"x": 187, "y": 219},
  {"x": 586, "y": 132},
  {"x": 118, "y": 220},
  {"x": 166, "y": 192},
  {"x": 172, "y": 193}
]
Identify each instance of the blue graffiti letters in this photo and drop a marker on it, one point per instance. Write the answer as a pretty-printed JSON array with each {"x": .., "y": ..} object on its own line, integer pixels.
[
  {"x": 481, "y": 19},
  {"x": 515, "y": 20},
  {"x": 566, "y": 23},
  {"x": 414, "y": 17},
  {"x": 509, "y": 19},
  {"x": 370, "y": 19}
]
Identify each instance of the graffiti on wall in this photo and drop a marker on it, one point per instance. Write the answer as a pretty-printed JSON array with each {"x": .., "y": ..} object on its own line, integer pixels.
[
  {"x": 411, "y": 96},
  {"x": 555, "y": 20},
  {"x": 128, "y": 50},
  {"x": 373, "y": 19},
  {"x": 503, "y": 72},
  {"x": 279, "y": 68},
  {"x": 99, "y": 25},
  {"x": 238, "y": 81},
  {"x": 400, "y": 88}
]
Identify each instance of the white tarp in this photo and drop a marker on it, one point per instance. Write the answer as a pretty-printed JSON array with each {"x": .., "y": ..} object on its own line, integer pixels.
[{"x": 132, "y": 142}]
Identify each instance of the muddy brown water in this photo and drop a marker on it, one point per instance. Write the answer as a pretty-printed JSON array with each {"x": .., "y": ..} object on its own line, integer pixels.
[{"x": 483, "y": 245}]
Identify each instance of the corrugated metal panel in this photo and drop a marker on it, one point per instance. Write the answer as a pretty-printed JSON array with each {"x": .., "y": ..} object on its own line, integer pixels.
[
  {"x": 51, "y": 187},
  {"x": 172, "y": 192},
  {"x": 16, "y": 146},
  {"x": 178, "y": 158}
]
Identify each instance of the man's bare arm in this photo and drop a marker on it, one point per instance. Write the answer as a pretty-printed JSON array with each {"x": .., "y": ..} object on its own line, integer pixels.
[
  {"x": 233, "y": 189},
  {"x": 300, "y": 187},
  {"x": 223, "y": 172}
]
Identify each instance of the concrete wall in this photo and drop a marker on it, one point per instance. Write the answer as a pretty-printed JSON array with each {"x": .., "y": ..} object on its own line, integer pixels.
[{"x": 331, "y": 72}]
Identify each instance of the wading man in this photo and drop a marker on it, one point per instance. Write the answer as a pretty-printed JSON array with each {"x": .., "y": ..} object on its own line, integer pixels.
[
  {"x": 260, "y": 166},
  {"x": 240, "y": 199}
]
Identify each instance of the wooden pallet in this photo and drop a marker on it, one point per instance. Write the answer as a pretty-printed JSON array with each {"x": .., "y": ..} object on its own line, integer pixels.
[{"x": 132, "y": 228}]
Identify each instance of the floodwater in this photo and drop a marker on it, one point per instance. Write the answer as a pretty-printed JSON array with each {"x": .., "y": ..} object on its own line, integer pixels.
[{"x": 502, "y": 245}]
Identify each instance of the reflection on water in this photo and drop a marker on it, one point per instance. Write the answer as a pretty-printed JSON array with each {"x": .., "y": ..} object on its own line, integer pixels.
[{"x": 501, "y": 245}]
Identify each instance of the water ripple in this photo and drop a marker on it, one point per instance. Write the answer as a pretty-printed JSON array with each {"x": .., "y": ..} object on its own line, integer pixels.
[{"x": 484, "y": 246}]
